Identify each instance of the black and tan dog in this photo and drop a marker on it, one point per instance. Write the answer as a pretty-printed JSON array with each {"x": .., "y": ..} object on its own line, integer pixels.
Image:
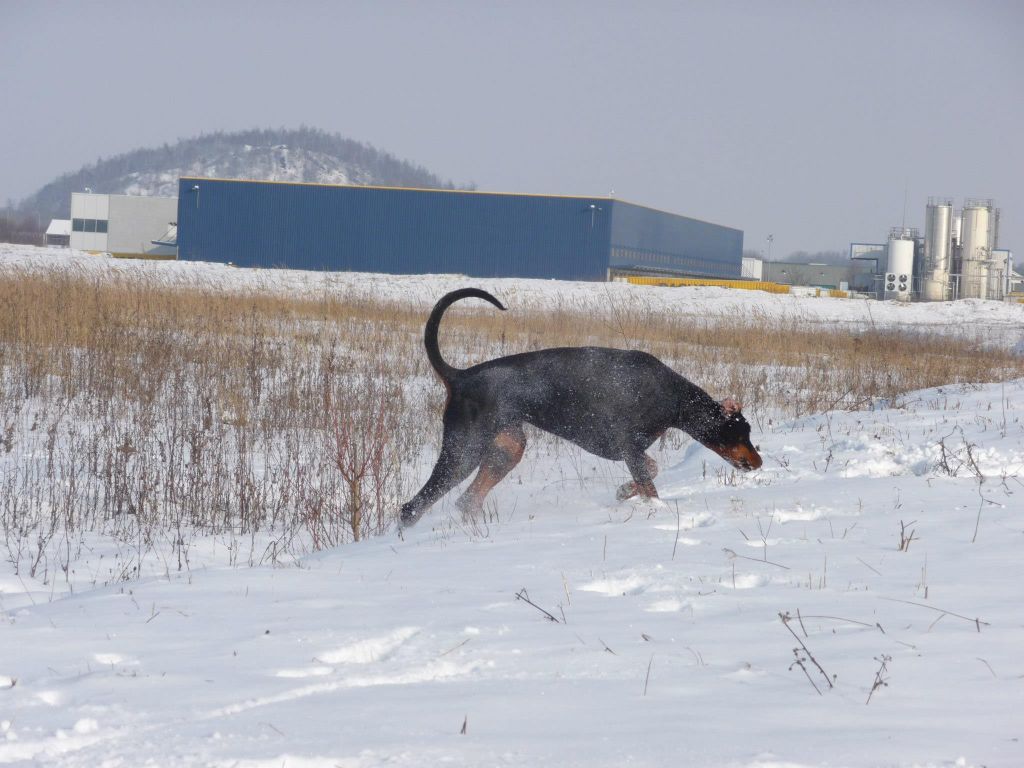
[{"x": 610, "y": 402}]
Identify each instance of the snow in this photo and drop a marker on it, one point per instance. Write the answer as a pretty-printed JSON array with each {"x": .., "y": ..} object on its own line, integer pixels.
[
  {"x": 59, "y": 227},
  {"x": 664, "y": 644},
  {"x": 266, "y": 163}
]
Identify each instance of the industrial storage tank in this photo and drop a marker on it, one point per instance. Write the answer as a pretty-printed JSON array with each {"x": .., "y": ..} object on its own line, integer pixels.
[
  {"x": 900, "y": 265},
  {"x": 938, "y": 224},
  {"x": 975, "y": 248}
]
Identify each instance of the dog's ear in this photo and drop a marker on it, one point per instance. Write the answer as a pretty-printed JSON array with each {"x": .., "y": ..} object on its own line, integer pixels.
[{"x": 730, "y": 406}]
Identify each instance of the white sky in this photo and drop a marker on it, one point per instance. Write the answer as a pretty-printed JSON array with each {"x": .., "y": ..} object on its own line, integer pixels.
[{"x": 812, "y": 121}]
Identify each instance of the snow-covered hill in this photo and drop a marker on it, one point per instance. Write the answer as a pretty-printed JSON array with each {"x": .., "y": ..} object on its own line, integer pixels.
[
  {"x": 303, "y": 155},
  {"x": 269, "y": 163}
]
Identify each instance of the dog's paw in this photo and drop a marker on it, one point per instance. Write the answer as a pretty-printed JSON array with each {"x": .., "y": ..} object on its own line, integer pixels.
[
  {"x": 626, "y": 491},
  {"x": 407, "y": 517}
]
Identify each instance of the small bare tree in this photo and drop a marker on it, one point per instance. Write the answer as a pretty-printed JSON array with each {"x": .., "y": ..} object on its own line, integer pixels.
[{"x": 365, "y": 455}]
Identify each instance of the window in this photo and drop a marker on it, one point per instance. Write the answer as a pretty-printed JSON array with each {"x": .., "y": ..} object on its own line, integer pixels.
[{"x": 89, "y": 225}]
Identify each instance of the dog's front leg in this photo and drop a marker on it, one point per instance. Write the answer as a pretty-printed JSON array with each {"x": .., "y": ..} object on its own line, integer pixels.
[{"x": 644, "y": 469}]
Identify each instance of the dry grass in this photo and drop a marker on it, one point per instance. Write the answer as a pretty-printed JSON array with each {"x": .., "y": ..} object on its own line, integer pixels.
[{"x": 138, "y": 410}]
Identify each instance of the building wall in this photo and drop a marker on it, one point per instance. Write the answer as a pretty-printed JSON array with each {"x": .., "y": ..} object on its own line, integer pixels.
[
  {"x": 121, "y": 224},
  {"x": 89, "y": 213},
  {"x": 396, "y": 231},
  {"x": 407, "y": 231},
  {"x": 648, "y": 240},
  {"x": 136, "y": 221},
  {"x": 857, "y": 275}
]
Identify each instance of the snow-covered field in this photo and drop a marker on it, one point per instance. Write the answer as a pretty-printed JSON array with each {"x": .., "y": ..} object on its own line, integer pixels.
[{"x": 567, "y": 629}]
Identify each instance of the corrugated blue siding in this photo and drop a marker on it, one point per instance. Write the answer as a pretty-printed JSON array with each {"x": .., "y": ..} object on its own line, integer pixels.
[
  {"x": 397, "y": 231},
  {"x": 410, "y": 231},
  {"x": 645, "y": 239}
]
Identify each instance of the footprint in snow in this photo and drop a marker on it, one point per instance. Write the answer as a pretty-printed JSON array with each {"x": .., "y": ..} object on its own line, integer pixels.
[
  {"x": 112, "y": 659},
  {"x": 745, "y": 581},
  {"x": 369, "y": 650},
  {"x": 618, "y": 586},
  {"x": 670, "y": 605},
  {"x": 316, "y": 671},
  {"x": 688, "y": 521},
  {"x": 761, "y": 543},
  {"x": 801, "y": 514}
]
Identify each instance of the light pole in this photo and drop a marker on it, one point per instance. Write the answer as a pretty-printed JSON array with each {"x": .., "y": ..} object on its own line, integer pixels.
[{"x": 771, "y": 239}]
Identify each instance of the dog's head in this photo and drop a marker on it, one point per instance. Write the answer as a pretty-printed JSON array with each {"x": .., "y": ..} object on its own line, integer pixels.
[{"x": 729, "y": 437}]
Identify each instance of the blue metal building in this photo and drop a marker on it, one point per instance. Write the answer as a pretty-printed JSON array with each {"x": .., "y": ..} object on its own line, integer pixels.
[{"x": 417, "y": 231}]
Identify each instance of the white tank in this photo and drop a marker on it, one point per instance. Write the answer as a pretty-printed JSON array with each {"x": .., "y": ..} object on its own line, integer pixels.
[
  {"x": 975, "y": 249},
  {"x": 938, "y": 224},
  {"x": 899, "y": 269}
]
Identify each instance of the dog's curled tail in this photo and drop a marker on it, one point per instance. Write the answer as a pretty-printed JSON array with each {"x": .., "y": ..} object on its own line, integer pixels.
[{"x": 444, "y": 370}]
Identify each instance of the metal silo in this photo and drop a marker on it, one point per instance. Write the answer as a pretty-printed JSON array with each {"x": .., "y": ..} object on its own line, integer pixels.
[
  {"x": 900, "y": 264},
  {"x": 975, "y": 248},
  {"x": 938, "y": 223}
]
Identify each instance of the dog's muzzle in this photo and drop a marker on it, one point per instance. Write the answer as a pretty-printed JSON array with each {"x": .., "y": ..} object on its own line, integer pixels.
[{"x": 743, "y": 457}]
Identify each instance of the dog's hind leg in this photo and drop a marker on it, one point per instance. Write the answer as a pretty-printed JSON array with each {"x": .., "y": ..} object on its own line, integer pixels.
[
  {"x": 461, "y": 452},
  {"x": 500, "y": 456},
  {"x": 644, "y": 471}
]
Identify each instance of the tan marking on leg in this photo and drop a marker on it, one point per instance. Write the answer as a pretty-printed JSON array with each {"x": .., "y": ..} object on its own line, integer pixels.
[
  {"x": 512, "y": 444},
  {"x": 506, "y": 451},
  {"x": 648, "y": 490},
  {"x": 652, "y": 466}
]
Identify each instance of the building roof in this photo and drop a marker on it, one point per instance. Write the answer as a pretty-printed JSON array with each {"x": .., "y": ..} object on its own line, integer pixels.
[
  {"x": 59, "y": 227},
  {"x": 491, "y": 193}
]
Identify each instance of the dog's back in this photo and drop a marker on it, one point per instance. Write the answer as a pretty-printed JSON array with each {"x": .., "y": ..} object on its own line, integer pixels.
[{"x": 604, "y": 400}]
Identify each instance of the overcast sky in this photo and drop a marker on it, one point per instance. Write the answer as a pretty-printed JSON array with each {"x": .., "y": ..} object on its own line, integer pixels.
[{"x": 811, "y": 121}]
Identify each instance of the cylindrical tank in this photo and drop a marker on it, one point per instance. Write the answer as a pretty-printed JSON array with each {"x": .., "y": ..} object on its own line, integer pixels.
[
  {"x": 938, "y": 224},
  {"x": 975, "y": 248},
  {"x": 899, "y": 268}
]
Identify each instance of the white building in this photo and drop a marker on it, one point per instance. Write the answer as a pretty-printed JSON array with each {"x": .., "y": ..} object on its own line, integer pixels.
[
  {"x": 122, "y": 225},
  {"x": 59, "y": 232},
  {"x": 752, "y": 268}
]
